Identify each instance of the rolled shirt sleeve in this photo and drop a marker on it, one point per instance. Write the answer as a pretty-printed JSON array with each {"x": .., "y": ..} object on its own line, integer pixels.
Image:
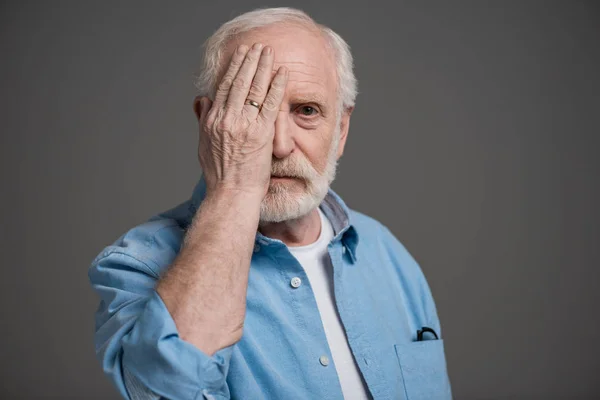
[{"x": 137, "y": 340}]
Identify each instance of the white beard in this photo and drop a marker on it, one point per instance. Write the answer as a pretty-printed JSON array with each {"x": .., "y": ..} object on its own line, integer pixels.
[{"x": 291, "y": 200}]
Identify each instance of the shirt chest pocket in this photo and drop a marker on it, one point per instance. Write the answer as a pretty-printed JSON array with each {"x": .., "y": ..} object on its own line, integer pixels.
[{"x": 423, "y": 367}]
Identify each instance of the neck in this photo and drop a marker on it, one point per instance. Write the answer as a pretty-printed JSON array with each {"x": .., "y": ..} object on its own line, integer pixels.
[{"x": 296, "y": 232}]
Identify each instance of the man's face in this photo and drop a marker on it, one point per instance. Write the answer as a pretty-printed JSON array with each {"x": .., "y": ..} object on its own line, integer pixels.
[{"x": 308, "y": 136}]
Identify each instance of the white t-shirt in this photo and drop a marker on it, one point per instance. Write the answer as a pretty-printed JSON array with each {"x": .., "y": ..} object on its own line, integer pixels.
[{"x": 315, "y": 260}]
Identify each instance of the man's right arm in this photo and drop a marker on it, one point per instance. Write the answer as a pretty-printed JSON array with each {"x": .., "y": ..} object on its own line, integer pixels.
[
  {"x": 205, "y": 287},
  {"x": 172, "y": 336}
]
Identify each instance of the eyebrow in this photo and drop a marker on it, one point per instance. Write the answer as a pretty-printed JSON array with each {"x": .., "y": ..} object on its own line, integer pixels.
[{"x": 309, "y": 98}]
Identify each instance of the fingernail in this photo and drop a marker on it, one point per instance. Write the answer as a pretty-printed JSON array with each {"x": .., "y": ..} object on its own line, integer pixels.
[
  {"x": 257, "y": 46},
  {"x": 268, "y": 50},
  {"x": 242, "y": 49}
]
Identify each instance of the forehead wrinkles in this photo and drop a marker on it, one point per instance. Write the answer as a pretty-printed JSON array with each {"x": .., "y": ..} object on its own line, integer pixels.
[{"x": 300, "y": 72}]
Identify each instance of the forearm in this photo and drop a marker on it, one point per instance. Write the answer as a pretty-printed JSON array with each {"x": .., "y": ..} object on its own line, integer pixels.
[{"x": 205, "y": 287}]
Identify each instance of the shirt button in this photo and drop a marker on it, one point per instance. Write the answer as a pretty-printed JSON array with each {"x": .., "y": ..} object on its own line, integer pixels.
[
  {"x": 256, "y": 248},
  {"x": 295, "y": 282},
  {"x": 324, "y": 360}
]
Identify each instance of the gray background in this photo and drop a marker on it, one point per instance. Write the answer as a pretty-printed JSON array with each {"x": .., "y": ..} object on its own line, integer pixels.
[{"x": 475, "y": 139}]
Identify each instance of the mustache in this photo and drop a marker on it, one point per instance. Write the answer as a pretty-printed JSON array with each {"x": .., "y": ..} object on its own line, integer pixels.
[{"x": 297, "y": 167}]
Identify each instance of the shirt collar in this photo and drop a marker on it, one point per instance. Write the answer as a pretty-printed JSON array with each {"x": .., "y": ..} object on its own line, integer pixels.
[{"x": 332, "y": 206}]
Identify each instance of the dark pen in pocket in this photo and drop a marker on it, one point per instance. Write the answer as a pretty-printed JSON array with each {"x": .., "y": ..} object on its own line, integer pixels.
[{"x": 423, "y": 330}]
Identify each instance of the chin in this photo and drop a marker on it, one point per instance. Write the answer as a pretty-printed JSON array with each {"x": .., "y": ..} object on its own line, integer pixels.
[
  {"x": 280, "y": 204},
  {"x": 283, "y": 204}
]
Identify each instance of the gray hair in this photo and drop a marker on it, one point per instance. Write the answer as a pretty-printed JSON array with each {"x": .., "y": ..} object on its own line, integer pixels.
[{"x": 206, "y": 80}]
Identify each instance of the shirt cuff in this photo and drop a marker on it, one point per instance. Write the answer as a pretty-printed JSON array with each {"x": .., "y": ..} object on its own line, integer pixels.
[{"x": 167, "y": 365}]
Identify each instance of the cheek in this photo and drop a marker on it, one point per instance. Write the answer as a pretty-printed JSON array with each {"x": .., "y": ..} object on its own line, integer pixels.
[
  {"x": 315, "y": 149},
  {"x": 314, "y": 144}
]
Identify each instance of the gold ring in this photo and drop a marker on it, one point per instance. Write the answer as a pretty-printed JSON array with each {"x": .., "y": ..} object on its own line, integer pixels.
[{"x": 253, "y": 103}]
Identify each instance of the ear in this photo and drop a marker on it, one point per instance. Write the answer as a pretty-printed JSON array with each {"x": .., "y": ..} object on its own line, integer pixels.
[
  {"x": 197, "y": 105},
  {"x": 201, "y": 107},
  {"x": 344, "y": 127}
]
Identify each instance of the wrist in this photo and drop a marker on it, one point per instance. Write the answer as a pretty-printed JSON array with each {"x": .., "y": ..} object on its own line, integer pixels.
[{"x": 237, "y": 194}]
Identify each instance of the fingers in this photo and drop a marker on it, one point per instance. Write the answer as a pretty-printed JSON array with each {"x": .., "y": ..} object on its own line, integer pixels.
[
  {"x": 235, "y": 64},
  {"x": 274, "y": 97},
  {"x": 260, "y": 83},
  {"x": 243, "y": 80},
  {"x": 249, "y": 77}
]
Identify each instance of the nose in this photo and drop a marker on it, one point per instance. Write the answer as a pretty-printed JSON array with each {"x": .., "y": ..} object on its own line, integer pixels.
[{"x": 283, "y": 142}]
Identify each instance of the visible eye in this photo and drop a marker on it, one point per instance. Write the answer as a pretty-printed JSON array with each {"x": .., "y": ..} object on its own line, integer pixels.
[{"x": 307, "y": 111}]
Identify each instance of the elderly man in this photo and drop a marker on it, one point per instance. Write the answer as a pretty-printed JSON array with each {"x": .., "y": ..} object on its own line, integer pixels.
[{"x": 264, "y": 284}]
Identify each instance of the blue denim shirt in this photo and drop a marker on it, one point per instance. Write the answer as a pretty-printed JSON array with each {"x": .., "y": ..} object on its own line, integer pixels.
[{"x": 380, "y": 291}]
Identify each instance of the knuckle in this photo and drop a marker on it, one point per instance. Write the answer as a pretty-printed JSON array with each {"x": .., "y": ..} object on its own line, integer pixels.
[
  {"x": 223, "y": 126},
  {"x": 244, "y": 114},
  {"x": 256, "y": 88},
  {"x": 263, "y": 67},
  {"x": 276, "y": 89},
  {"x": 270, "y": 104},
  {"x": 226, "y": 82},
  {"x": 239, "y": 83},
  {"x": 274, "y": 94}
]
